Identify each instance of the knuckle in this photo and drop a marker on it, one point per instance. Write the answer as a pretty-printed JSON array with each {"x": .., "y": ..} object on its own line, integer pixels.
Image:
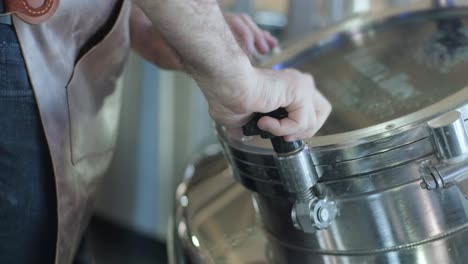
[
  {"x": 236, "y": 19},
  {"x": 246, "y": 38},
  {"x": 244, "y": 16},
  {"x": 258, "y": 33},
  {"x": 229, "y": 18},
  {"x": 243, "y": 35}
]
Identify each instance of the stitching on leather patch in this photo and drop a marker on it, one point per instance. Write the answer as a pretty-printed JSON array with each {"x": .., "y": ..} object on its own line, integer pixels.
[{"x": 38, "y": 11}]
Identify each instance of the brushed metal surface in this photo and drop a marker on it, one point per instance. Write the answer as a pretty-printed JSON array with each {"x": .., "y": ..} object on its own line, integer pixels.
[{"x": 216, "y": 220}]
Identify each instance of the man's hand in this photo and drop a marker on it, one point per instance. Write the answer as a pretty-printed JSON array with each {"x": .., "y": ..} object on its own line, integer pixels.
[
  {"x": 235, "y": 90},
  {"x": 249, "y": 35},
  {"x": 152, "y": 46},
  {"x": 263, "y": 91}
]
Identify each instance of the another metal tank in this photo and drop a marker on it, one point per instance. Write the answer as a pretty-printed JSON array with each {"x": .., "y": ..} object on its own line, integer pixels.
[{"x": 391, "y": 161}]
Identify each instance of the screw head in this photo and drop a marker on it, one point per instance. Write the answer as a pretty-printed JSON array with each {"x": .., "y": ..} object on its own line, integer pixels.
[
  {"x": 428, "y": 183},
  {"x": 324, "y": 212},
  {"x": 324, "y": 215},
  {"x": 423, "y": 185}
]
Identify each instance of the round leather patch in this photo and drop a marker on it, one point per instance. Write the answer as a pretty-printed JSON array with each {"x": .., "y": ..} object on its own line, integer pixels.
[{"x": 32, "y": 11}]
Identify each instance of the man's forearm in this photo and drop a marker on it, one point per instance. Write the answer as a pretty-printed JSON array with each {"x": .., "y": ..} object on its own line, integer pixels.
[
  {"x": 234, "y": 89},
  {"x": 198, "y": 32}
]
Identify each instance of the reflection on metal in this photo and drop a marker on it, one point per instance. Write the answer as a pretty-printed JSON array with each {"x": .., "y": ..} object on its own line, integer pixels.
[
  {"x": 184, "y": 201},
  {"x": 450, "y": 137},
  {"x": 195, "y": 241},
  {"x": 398, "y": 125}
]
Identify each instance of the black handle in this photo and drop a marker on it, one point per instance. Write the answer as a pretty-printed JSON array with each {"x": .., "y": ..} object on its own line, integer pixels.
[{"x": 279, "y": 144}]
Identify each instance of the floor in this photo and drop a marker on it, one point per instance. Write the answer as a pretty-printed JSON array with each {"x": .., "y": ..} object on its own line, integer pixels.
[{"x": 114, "y": 244}]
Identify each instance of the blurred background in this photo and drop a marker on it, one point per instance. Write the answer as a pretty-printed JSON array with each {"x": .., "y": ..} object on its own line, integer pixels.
[{"x": 164, "y": 124}]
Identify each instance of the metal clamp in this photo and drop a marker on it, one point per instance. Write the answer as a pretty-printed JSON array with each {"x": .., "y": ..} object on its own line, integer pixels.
[
  {"x": 450, "y": 140},
  {"x": 297, "y": 172},
  {"x": 309, "y": 212}
]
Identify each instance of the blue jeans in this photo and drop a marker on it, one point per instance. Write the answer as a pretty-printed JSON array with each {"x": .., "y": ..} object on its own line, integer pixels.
[{"x": 28, "y": 218}]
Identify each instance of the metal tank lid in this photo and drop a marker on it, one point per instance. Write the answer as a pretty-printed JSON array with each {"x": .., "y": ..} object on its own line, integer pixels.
[{"x": 386, "y": 75}]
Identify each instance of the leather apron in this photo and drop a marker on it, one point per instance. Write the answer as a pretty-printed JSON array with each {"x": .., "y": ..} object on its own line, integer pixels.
[{"x": 78, "y": 100}]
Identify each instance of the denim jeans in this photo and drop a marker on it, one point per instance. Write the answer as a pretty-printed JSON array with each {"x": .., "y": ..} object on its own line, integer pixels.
[{"x": 28, "y": 218}]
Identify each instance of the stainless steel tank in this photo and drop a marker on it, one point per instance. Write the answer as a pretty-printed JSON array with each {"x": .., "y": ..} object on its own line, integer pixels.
[{"x": 386, "y": 178}]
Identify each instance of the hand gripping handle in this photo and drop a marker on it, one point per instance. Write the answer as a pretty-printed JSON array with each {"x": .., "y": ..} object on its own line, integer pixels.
[{"x": 279, "y": 144}]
